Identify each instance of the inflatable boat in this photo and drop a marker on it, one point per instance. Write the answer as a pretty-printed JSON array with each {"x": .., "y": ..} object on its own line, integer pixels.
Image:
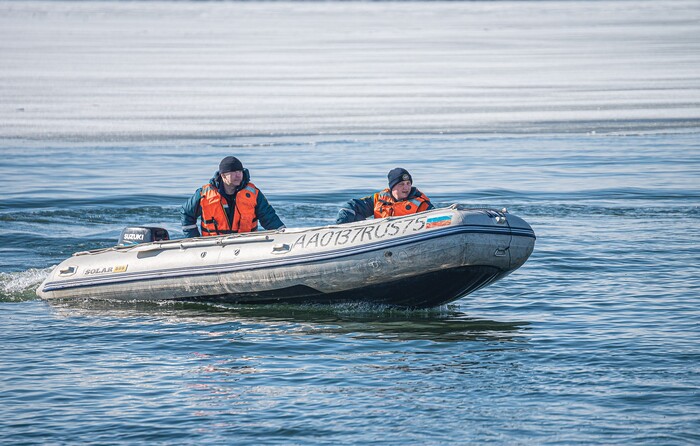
[{"x": 421, "y": 260}]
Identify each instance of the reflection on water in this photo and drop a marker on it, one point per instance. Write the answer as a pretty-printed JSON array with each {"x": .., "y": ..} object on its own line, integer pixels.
[{"x": 357, "y": 320}]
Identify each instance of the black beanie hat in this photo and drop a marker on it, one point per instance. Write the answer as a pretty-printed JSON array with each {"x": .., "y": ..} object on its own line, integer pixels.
[
  {"x": 398, "y": 175},
  {"x": 230, "y": 164}
]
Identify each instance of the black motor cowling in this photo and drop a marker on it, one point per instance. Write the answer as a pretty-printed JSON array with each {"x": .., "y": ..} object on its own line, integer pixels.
[{"x": 134, "y": 235}]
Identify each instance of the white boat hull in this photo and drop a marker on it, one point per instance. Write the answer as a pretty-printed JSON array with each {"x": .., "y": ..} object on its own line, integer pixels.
[{"x": 422, "y": 260}]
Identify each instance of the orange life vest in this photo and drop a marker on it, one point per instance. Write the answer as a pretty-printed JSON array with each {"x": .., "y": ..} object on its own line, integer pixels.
[
  {"x": 214, "y": 216},
  {"x": 386, "y": 206}
]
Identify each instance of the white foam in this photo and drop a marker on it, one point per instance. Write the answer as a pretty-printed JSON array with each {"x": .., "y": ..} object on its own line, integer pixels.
[{"x": 22, "y": 285}]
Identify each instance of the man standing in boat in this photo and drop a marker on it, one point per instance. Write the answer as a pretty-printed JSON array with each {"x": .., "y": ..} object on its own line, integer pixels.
[
  {"x": 400, "y": 198},
  {"x": 229, "y": 203}
]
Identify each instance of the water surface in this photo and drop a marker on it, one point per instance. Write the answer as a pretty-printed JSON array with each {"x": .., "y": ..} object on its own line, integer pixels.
[{"x": 581, "y": 117}]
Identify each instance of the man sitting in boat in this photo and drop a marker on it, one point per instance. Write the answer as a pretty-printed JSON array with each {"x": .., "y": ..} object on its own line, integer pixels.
[
  {"x": 400, "y": 198},
  {"x": 229, "y": 203}
]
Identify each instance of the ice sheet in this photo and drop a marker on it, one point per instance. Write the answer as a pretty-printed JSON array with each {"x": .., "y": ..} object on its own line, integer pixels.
[{"x": 110, "y": 71}]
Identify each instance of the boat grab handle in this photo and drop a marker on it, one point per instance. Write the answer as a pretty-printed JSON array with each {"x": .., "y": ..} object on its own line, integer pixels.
[
  {"x": 200, "y": 243},
  {"x": 281, "y": 248}
]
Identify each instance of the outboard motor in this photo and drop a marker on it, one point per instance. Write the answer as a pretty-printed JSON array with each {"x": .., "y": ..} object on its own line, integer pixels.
[{"x": 142, "y": 234}]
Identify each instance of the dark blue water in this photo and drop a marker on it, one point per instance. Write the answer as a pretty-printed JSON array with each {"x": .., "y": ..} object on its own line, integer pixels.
[{"x": 595, "y": 340}]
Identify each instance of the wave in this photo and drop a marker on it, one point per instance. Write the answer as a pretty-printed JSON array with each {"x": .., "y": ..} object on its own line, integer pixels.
[
  {"x": 93, "y": 216},
  {"x": 104, "y": 201},
  {"x": 619, "y": 193},
  {"x": 154, "y": 203},
  {"x": 88, "y": 218},
  {"x": 21, "y": 286}
]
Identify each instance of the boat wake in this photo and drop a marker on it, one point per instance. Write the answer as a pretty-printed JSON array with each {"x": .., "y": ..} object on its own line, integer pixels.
[{"x": 21, "y": 286}]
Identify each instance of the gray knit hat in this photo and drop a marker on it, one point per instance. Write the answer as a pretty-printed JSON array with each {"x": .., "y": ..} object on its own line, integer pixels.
[{"x": 398, "y": 175}]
